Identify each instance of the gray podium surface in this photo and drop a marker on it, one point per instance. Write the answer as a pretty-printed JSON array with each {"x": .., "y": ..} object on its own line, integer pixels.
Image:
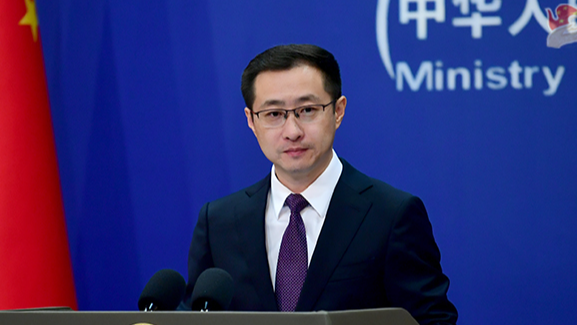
[{"x": 384, "y": 316}]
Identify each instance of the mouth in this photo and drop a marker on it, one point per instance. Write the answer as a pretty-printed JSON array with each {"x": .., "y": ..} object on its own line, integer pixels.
[{"x": 295, "y": 152}]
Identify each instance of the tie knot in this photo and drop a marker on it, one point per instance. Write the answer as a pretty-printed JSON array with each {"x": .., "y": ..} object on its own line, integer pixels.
[{"x": 296, "y": 203}]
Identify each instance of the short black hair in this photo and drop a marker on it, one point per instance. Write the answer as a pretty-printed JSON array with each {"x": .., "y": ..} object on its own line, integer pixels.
[{"x": 285, "y": 57}]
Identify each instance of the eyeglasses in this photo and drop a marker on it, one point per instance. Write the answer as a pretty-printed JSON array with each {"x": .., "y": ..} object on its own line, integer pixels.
[{"x": 276, "y": 117}]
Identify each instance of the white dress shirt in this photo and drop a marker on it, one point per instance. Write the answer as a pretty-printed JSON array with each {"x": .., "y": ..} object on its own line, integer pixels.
[{"x": 277, "y": 215}]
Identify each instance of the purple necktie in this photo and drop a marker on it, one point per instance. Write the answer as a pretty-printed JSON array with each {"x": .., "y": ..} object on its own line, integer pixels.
[{"x": 292, "y": 264}]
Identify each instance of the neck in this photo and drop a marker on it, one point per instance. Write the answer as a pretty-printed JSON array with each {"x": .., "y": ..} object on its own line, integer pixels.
[
  {"x": 296, "y": 186},
  {"x": 298, "y": 182}
]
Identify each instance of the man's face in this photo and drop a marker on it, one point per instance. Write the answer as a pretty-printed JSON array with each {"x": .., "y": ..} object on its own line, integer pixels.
[{"x": 300, "y": 151}]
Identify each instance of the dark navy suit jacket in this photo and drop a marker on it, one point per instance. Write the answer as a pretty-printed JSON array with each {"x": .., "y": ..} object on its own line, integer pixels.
[{"x": 376, "y": 249}]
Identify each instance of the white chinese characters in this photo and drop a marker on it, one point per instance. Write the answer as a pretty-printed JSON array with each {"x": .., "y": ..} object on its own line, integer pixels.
[
  {"x": 421, "y": 13},
  {"x": 482, "y": 18},
  {"x": 476, "y": 20}
]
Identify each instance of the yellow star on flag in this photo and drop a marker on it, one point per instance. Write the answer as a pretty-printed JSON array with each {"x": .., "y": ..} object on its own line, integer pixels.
[{"x": 30, "y": 18}]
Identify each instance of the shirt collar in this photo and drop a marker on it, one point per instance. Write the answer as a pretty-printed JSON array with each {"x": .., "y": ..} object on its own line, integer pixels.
[{"x": 318, "y": 194}]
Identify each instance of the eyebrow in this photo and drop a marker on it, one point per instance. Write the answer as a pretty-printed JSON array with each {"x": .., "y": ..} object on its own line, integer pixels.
[{"x": 282, "y": 103}]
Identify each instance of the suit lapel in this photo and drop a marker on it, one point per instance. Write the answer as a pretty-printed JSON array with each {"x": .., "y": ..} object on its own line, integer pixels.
[
  {"x": 249, "y": 219},
  {"x": 346, "y": 212}
]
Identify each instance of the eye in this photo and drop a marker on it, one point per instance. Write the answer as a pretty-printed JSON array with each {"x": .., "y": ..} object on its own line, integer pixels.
[
  {"x": 309, "y": 110},
  {"x": 272, "y": 114}
]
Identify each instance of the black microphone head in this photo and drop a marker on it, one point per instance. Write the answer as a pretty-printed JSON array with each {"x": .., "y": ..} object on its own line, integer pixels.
[
  {"x": 165, "y": 290},
  {"x": 214, "y": 286}
]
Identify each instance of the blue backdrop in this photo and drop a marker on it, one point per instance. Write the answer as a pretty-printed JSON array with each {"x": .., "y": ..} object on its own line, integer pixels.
[{"x": 459, "y": 102}]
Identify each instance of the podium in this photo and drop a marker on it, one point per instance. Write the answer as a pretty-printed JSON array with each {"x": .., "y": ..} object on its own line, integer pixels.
[{"x": 383, "y": 316}]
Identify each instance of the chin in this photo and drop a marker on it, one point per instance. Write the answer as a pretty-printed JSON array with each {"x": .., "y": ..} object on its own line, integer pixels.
[{"x": 296, "y": 168}]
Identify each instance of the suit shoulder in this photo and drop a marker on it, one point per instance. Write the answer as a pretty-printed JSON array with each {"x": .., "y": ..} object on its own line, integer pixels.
[
  {"x": 367, "y": 185},
  {"x": 232, "y": 199},
  {"x": 389, "y": 190}
]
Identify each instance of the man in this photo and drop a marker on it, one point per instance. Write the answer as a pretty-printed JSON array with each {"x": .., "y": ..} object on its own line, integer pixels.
[{"x": 316, "y": 234}]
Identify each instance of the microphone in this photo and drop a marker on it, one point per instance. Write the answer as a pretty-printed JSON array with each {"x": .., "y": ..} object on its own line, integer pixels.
[
  {"x": 164, "y": 291},
  {"x": 213, "y": 290}
]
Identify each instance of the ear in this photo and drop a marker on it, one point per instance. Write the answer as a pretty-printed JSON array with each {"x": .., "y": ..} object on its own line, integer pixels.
[
  {"x": 249, "y": 119},
  {"x": 340, "y": 106}
]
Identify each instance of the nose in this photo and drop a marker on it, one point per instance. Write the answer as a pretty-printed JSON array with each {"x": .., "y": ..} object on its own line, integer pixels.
[{"x": 292, "y": 130}]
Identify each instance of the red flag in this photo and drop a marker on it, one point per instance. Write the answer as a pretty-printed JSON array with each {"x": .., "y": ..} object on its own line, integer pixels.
[
  {"x": 564, "y": 12},
  {"x": 35, "y": 268}
]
